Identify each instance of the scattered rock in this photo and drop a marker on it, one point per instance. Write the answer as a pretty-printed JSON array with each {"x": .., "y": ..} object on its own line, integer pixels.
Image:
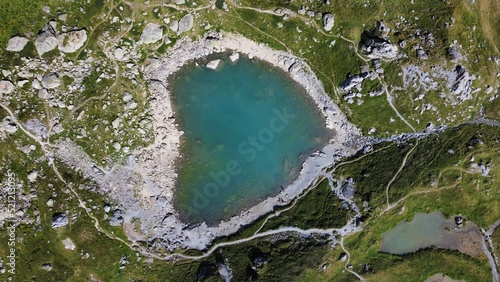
[
  {"x": 46, "y": 266},
  {"x": 17, "y": 43},
  {"x": 51, "y": 81},
  {"x": 353, "y": 81},
  {"x": 70, "y": 42},
  {"x": 151, "y": 33},
  {"x": 119, "y": 54},
  {"x": 377, "y": 48},
  {"x": 59, "y": 220},
  {"x": 328, "y": 21},
  {"x": 422, "y": 55},
  {"x": 68, "y": 244},
  {"x": 32, "y": 176},
  {"x": 117, "y": 218},
  {"x": 8, "y": 126},
  {"x": 347, "y": 189},
  {"x": 6, "y": 87},
  {"x": 186, "y": 23},
  {"x": 213, "y": 64},
  {"x": 234, "y": 57},
  {"x": 46, "y": 40},
  {"x": 174, "y": 26}
]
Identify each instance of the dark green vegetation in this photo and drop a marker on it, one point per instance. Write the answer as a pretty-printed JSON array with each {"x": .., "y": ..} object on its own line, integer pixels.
[{"x": 320, "y": 208}]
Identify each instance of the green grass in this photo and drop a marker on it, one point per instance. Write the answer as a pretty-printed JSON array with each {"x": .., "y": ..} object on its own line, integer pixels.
[{"x": 320, "y": 208}]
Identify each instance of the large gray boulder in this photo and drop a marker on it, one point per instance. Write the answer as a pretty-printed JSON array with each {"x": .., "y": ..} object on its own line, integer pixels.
[
  {"x": 6, "y": 87},
  {"x": 377, "y": 48},
  {"x": 151, "y": 33},
  {"x": 70, "y": 42},
  {"x": 17, "y": 43},
  {"x": 59, "y": 220},
  {"x": 328, "y": 21},
  {"x": 46, "y": 40},
  {"x": 51, "y": 81},
  {"x": 186, "y": 23}
]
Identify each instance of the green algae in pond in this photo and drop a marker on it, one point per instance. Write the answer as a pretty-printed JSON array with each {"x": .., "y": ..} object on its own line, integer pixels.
[{"x": 248, "y": 128}]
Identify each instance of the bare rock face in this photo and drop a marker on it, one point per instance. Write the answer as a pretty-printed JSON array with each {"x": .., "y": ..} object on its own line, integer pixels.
[
  {"x": 186, "y": 23},
  {"x": 151, "y": 33},
  {"x": 17, "y": 43},
  {"x": 70, "y": 42},
  {"x": 377, "y": 48},
  {"x": 462, "y": 83},
  {"x": 328, "y": 21},
  {"x": 46, "y": 40},
  {"x": 51, "y": 81},
  {"x": 6, "y": 87}
]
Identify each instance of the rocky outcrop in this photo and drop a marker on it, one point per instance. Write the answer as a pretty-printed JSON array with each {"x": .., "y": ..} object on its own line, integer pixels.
[
  {"x": 46, "y": 40},
  {"x": 377, "y": 48},
  {"x": 151, "y": 33},
  {"x": 17, "y": 43},
  {"x": 6, "y": 87},
  {"x": 51, "y": 81},
  {"x": 186, "y": 23},
  {"x": 117, "y": 218},
  {"x": 353, "y": 81},
  {"x": 328, "y": 21},
  {"x": 59, "y": 220},
  {"x": 70, "y": 42},
  {"x": 462, "y": 83}
]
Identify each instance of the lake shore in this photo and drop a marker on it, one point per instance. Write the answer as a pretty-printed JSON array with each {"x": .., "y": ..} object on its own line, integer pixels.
[{"x": 144, "y": 187}]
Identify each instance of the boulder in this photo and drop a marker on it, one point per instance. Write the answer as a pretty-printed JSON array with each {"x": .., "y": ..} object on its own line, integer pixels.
[
  {"x": 59, "y": 220},
  {"x": 151, "y": 33},
  {"x": 32, "y": 176},
  {"x": 51, "y": 81},
  {"x": 46, "y": 40},
  {"x": 234, "y": 57},
  {"x": 6, "y": 87},
  {"x": 117, "y": 218},
  {"x": 186, "y": 23},
  {"x": 70, "y": 42},
  {"x": 174, "y": 26},
  {"x": 353, "y": 81},
  {"x": 377, "y": 48},
  {"x": 328, "y": 21},
  {"x": 214, "y": 64},
  {"x": 17, "y": 43}
]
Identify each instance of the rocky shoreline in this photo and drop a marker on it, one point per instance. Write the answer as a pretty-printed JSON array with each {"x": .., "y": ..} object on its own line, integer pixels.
[{"x": 143, "y": 187}]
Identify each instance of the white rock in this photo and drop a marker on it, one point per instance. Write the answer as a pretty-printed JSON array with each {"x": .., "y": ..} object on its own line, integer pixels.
[
  {"x": 151, "y": 33},
  {"x": 70, "y": 42},
  {"x": 6, "y": 87},
  {"x": 213, "y": 64},
  {"x": 186, "y": 23},
  {"x": 36, "y": 84},
  {"x": 120, "y": 54},
  {"x": 328, "y": 21},
  {"x": 46, "y": 9},
  {"x": 43, "y": 94},
  {"x": 107, "y": 208},
  {"x": 117, "y": 146},
  {"x": 234, "y": 57},
  {"x": 116, "y": 123},
  {"x": 17, "y": 43},
  {"x": 50, "y": 203},
  {"x": 51, "y": 81},
  {"x": 46, "y": 41},
  {"x": 68, "y": 244},
  {"x": 174, "y": 26},
  {"x": 180, "y": 2},
  {"x": 32, "y": 176}
]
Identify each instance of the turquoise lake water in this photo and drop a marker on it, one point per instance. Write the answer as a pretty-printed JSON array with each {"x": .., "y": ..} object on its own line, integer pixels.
[{"x": 248, "y": 128}]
